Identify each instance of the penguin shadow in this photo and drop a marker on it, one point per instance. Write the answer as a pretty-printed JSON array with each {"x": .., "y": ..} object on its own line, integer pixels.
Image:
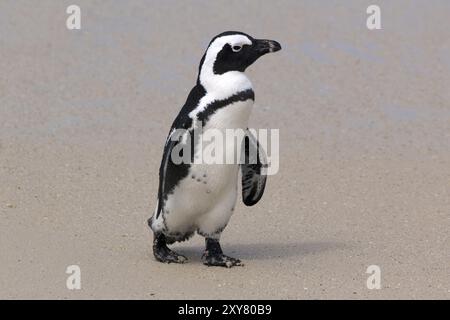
[{"x": 266, "y": 251}]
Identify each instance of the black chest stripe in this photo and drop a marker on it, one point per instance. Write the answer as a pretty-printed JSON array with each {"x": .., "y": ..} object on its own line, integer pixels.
[{"x": 218, "y": 104}]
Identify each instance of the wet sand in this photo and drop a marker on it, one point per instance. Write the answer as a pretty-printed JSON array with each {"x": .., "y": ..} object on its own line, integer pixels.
[{"x": 364, "y": 119}]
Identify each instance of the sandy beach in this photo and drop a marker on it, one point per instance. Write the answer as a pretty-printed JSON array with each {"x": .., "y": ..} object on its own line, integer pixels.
[{"x": 364, "y": 119}]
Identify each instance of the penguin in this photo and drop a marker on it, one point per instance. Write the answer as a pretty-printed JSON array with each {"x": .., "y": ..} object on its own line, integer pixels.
[{"x": 195, "y": 197}]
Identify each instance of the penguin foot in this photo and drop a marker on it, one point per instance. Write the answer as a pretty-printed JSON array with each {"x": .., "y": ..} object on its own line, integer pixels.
[
  {"x": 163, "y": 254},
  {"x": 213, "y": 256},
  {"x": 220, "y": 260},
  {"x": 166, "y": 255}
]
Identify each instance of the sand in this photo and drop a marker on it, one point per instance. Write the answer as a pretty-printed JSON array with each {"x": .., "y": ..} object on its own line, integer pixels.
[{"x": 364, "y": 119}]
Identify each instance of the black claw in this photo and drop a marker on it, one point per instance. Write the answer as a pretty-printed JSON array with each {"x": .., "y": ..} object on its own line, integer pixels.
[
  {"x": 213, "y": 256},
  {"x": 163, "y": 254}
]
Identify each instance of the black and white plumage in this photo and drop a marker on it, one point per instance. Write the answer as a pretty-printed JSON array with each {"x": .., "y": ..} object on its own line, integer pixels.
[{"x": 198, "y": 197}]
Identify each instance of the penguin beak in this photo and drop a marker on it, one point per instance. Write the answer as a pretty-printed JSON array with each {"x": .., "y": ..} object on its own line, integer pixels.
[
  {"x": 259, "y": 48},
  {"x": 265, "y": 46}
]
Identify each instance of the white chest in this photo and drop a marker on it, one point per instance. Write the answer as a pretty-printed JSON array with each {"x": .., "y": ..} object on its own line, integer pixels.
[{"x": 233, "y": 116}]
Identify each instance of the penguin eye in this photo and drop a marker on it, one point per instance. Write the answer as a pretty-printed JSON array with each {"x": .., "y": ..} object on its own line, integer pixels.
[{"x": 236, "y": 48}]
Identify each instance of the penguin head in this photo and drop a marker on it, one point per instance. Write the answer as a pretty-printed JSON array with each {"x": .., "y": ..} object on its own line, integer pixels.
[{"x": 234, "y": 51}]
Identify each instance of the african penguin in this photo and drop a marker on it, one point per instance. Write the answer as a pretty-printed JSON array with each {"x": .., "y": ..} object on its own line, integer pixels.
[{"x": 198, "y": 197}]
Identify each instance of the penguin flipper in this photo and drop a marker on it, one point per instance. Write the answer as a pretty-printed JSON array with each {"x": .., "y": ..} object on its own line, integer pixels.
[
  {"x": 169, "y": 172},
  {"x": 254, "y": 170},
  {"x": 163, "y": 174}
]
